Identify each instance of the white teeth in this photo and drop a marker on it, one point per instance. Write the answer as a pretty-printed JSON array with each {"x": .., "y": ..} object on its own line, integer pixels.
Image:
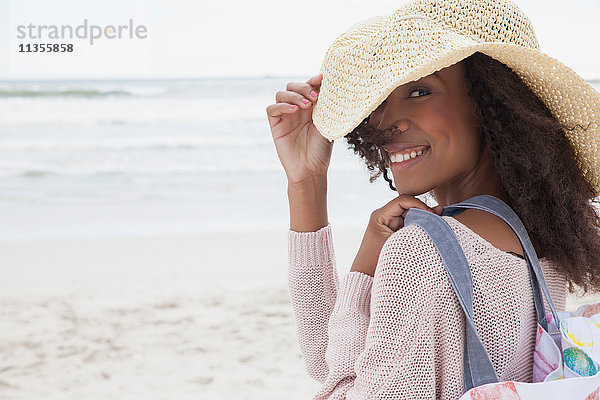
[{"x": 403, "y": 157}]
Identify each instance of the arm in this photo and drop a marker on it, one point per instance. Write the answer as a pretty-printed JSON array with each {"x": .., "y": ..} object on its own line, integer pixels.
[
  {"x": 314, "y": 288},
  {"x": 313, "y": 285},
  {"x": 404, "y": 332},
  {"x": 334, "y": 318},
  {"x": 308, "y": 204},
  {"x": 312, "y": 274}
]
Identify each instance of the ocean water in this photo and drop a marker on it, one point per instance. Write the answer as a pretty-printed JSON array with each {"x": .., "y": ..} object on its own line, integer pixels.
[
  {"x": 121, "y": 158},
  {"x": 114, "y": 158}
]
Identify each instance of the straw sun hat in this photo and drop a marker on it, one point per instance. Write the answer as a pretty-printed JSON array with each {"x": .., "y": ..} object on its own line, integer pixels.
[{"x": 373, "y": 57}]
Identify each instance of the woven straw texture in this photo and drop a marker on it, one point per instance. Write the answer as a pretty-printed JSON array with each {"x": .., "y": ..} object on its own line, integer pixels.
[{"x": 374, "y": 56}]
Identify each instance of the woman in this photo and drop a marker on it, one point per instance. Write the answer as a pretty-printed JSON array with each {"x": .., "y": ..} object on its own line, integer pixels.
[{"x": 392, "y": 327}]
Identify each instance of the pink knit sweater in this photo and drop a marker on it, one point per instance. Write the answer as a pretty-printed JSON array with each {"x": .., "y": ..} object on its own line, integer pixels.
[{"x": 400, "y": 334}]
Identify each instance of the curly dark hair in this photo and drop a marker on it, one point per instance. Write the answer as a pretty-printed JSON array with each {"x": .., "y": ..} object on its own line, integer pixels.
[{"x": 524, "y": 139}]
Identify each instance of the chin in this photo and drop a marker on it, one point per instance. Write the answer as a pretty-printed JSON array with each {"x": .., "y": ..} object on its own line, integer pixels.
[{"x": 412, "y": 189}]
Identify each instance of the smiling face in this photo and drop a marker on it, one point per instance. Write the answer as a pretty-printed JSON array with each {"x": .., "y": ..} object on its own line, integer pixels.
[{"x": 436, "y": 117}]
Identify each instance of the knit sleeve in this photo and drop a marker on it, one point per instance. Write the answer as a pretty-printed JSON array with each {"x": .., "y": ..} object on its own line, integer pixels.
[
  {"x": 313, "y": 285},
  {"x": 316, "y": 294},
  {"x": 403, "y": 335}
]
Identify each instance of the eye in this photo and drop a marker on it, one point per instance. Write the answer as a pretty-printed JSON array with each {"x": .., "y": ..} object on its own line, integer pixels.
[{"x": 419, "y": 90}]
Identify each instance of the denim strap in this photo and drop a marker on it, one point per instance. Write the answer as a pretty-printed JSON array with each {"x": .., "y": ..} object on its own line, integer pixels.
[{"x": 478, "y": 367}]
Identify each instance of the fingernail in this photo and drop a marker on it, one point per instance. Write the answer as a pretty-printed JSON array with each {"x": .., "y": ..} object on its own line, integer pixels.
[
  {"x": 305, "y": 101},
  {"x": 293, "y": 106},
  {"x": 314, "y": 94}
]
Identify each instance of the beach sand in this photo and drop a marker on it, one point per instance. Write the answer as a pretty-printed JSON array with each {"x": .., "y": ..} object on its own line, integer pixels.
[{"x": 170, "y": 317}]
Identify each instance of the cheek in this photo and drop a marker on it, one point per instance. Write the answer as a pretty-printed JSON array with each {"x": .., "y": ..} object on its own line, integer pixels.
[{"x": 457, "y": 141}]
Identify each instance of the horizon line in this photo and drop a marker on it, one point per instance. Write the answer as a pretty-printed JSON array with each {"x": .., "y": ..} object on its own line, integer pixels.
[
  {"x": 233, "y": 77},
  {"x": 239, "y": 77}
]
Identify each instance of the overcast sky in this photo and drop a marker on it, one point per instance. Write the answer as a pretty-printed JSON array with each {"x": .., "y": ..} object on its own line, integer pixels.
[{"x": 242, "y": 38}]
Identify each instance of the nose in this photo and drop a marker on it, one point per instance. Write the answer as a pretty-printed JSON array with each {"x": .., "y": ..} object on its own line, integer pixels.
[
  {"x": 391, "y": 122},
  {"x": 390, "y": 118}
]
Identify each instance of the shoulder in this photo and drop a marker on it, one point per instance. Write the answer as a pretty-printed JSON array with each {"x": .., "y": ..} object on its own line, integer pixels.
[
  {"x": 488, "y": 229},
  {"x": 412, "y": 243},
  {"x": 410, "y": 277},
  {"x": 411, "y": 252},
  {"x": 410, "y": 255}
]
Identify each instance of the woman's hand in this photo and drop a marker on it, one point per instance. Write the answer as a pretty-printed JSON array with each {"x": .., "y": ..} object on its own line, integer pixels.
[
  {"x": 302, "y": 150},
  {"x": 383, "y": 222}
]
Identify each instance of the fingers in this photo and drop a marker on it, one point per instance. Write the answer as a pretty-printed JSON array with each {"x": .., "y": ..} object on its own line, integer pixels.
[
  {"x": 315, "y": 81},
  {"x": 407, "y": 202},
  {"x": 391, "y": 216},
  {"x": 303, "y": 89},
  {"x": 293, "y": 97},
  {"x": 274, "y": 111},
  {"x": 399, "y": 206},
  {"x": 297, "y": 95}
]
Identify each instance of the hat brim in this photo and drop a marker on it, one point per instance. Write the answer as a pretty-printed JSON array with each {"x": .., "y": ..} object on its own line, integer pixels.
[{"x": 355, "y": 80}]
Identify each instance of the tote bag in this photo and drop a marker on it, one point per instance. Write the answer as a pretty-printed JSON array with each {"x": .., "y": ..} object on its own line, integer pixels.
[{"x": 566, "y": 359}]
